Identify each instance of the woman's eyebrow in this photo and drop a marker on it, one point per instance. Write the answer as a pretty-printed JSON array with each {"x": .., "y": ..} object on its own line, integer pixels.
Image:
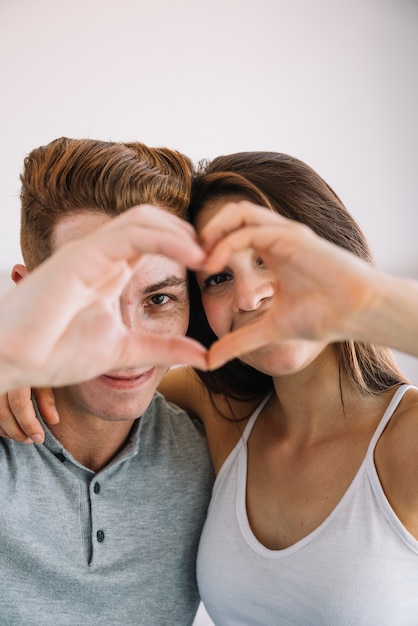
[{"x": 170, "y": 281}]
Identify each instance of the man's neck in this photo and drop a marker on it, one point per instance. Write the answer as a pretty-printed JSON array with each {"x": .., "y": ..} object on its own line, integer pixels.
[{"x": 92, "y": 441}]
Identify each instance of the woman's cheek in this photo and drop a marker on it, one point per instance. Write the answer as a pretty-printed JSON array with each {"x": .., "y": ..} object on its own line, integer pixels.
[{"x": 217, "y": 316}]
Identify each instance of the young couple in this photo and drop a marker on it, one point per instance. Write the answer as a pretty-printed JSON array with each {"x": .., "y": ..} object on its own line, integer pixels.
[{"x": 314, "y": 511}]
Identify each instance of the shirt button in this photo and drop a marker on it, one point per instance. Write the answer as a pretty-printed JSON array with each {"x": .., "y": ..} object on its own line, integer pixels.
[
  {"x": 96, "y": 488},
  {"x": 100, "y": 536}
]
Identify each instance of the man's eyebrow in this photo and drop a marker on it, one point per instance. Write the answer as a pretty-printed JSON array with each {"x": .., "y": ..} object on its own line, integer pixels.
[{"x": 170, "y": 281}]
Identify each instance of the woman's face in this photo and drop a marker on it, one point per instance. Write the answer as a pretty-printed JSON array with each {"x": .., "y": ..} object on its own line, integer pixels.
[{"x": 241, "y": 293}]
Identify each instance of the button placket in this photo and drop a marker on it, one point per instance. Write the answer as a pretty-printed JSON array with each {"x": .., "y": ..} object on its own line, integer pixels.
[{"x": 96, "y": 489}]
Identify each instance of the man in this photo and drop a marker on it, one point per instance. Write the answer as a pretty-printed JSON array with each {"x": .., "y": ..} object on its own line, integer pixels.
[{"x": 100, "y": 524}]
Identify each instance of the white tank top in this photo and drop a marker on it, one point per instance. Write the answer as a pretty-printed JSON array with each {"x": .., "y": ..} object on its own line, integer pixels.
[{"x": 359, "y": 567}]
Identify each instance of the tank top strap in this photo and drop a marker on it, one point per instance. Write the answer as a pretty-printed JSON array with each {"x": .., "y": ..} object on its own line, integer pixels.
[
  {"x": 399, "y": 394},
  {"x": 253, "y": 417}
]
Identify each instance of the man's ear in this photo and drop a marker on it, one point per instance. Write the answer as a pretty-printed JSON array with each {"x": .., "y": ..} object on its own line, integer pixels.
[{"x": 19, "y": 271}]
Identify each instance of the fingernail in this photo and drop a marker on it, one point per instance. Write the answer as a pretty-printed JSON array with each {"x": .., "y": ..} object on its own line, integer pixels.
[
  {"x": 55, "y": 413},
  {"x": 37, "y": 438}
]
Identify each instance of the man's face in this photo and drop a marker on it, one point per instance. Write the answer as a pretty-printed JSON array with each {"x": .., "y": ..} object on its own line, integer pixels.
[{"x": 155, "y": 301}]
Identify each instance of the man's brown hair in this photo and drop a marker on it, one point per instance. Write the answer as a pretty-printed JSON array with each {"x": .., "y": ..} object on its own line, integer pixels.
[{"x": 70, "y": 175}]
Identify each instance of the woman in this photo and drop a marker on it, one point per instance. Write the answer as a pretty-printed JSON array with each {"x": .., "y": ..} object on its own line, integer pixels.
[{"x": 314, "y": 514}]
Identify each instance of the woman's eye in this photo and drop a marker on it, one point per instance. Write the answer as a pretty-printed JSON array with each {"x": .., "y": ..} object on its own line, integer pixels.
[
  {"x": 259, "y": 262},
  {"x": 217, "y": 279},
  {"x": 159, "y": 298}
]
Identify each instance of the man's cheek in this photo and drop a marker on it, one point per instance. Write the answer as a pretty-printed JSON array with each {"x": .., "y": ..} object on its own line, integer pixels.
[{"x": 177, "y": 322}]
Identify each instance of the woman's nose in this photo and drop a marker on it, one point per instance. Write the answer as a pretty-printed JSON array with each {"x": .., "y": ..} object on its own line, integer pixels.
[{"x": 251, "y": 292}]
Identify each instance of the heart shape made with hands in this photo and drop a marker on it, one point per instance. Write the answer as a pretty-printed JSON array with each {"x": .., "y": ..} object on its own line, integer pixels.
[{"x": 85, "y": 278}]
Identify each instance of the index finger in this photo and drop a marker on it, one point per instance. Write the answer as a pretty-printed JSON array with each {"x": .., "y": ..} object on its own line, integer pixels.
[
  {"x": 148, "y": 230},
  {"x": 234, "y": 216}
]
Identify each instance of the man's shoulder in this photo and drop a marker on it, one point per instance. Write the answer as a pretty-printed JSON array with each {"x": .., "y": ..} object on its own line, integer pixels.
[
  {"x": 165, "y": 417},
  {"x": 161, "y": 405}
]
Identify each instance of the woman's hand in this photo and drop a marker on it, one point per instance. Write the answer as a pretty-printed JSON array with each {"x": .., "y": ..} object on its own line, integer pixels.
[
  {"x": 18, "y": 418},
  {"x": 321, "y": 290}
]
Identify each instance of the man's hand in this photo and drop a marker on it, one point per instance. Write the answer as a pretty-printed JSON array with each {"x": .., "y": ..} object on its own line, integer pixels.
[{"x": 62, "y": 323}]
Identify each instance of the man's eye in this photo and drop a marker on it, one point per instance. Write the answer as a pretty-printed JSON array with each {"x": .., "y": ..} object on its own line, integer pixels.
[
  {"x": 159, "y": 298},
  {"x": 217, "y": 279}
]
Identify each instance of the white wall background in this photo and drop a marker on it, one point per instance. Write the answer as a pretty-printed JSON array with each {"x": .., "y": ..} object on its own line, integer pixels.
[{"x": 332, "y": 82}]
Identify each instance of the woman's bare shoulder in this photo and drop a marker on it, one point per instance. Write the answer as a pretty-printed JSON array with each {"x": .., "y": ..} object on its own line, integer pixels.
[
  {"x": 403, "y": 423},
  {"x": 182, "y": 386},
  {"x": 396, "y": 458}
]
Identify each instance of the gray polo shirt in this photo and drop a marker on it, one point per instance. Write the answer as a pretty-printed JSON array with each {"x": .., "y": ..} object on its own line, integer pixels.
[{"x": 113, "y": 548}]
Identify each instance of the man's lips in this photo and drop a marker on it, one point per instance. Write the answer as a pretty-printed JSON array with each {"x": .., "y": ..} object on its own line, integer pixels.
[{"x": 126, "y": 380}]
